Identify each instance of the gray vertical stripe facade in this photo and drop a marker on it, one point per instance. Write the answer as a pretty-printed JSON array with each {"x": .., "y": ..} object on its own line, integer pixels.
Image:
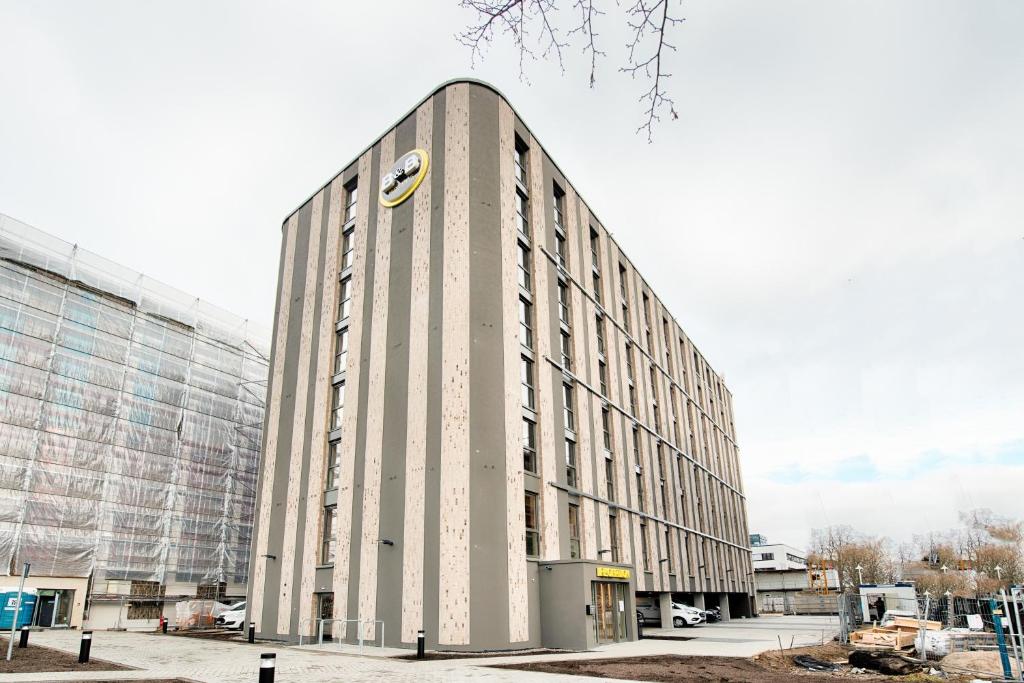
[{"x": 488, "y": 623}]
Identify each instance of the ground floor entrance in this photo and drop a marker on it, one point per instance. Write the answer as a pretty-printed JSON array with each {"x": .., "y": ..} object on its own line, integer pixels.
[
  {"x": 53, "y": 607},
  {"x": 609, "y": 600}
]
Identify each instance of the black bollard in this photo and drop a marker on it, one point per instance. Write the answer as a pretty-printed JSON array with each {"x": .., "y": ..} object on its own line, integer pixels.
[
  {"x": 163, "y": 625},
  {"x": 24, "y": 637},
  {"x": 421, "y": 640},
  {"x": 639, "y": 628},
  {"x": 252, "y": 631},
  {"x": 267, "y": 662},
  {"x": 83, "y": 650}
]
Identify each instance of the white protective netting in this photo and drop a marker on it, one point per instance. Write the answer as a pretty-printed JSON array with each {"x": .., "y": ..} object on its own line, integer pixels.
[{"x": 130, "y": 420}]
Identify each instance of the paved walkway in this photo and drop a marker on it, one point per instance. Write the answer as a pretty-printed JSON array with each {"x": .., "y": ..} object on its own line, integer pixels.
[{"x": 211, "y": 661}]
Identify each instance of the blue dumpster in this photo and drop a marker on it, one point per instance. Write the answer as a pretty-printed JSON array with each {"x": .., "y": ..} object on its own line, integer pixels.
[{"x": 9, "y": 600}]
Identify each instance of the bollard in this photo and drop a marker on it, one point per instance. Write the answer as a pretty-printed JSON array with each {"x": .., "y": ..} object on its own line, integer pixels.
[
  {"x": 421, "y": 639},
  {"x": 639, "y": 628},
  {"x": 252, "y": 631},
  {"x": 24, "y": 637},
  {"x": 163, "y": 625},
  {"x": 83, "y": 650},
  {"x": 267, "y": 661}
]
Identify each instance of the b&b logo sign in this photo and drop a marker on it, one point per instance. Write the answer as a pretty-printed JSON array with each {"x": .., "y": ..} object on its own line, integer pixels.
[{"x": 405, "y": 176}]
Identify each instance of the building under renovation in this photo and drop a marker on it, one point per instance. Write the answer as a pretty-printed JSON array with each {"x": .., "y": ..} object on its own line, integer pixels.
[
  {"x": 483, "y": 422},
  {"x": 130, "y": 422}
]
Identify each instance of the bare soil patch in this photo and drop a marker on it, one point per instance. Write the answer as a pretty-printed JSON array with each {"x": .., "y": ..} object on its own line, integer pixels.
[{"x": 39, "y": 659}]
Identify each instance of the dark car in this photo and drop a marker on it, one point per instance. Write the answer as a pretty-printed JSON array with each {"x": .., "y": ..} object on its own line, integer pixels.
[{"x": 713, "y": 614}]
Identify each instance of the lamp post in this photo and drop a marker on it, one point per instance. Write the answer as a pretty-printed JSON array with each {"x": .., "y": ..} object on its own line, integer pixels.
[
  {"x": 860, "y": 574},
  {"x": 17, "y": 609}
]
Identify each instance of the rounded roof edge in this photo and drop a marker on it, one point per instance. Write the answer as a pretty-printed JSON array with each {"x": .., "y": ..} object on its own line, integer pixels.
[{"x": 436, "y": 89}]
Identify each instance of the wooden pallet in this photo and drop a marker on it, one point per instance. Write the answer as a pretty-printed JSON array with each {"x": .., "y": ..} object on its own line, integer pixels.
[{"x": 883, "y": 637}]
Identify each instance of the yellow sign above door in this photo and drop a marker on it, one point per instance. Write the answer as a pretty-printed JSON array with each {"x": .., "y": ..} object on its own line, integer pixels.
[{"x": 613, "y": 572}]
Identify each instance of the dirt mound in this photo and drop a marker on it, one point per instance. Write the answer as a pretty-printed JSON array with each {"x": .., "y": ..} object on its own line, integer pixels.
[{"x": 986, "y": 663}]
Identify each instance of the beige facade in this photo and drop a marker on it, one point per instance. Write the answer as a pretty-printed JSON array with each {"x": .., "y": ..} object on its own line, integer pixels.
[{"x": 482, "y": 402}]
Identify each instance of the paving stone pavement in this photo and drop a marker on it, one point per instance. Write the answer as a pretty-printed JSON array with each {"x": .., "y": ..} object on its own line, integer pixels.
[
  {"x": 219, "y": 662},
  {"x": 212, "y": 661}
]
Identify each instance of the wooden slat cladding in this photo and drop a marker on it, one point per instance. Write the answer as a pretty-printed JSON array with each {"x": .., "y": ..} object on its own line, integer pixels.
[
  {"x": 295, "y": 453},
  {"x": 350, "y": 412},
  {"x": 314, "y": 494},
  {"x": 454, "y": 580},
  {"x": 276, "y": 390},
  {"x": 373, "y": 451},
  {"x": 518, "y": 603},
  {"x": 416, "y": 432}
]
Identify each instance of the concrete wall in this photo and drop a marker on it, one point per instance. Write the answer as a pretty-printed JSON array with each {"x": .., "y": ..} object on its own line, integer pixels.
[{"x": 430, "y": 436}]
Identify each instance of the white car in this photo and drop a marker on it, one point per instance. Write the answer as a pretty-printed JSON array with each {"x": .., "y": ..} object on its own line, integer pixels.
[
  {"x": 682, "y": 615},
  {"x": 234, "y": 617}
]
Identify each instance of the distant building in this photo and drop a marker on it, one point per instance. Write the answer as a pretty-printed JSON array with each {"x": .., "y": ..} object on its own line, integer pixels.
[
  {"x": 784, "y": 582},
  {"x": 131, "y": 415},
  {"x": 777, "y": 557}
]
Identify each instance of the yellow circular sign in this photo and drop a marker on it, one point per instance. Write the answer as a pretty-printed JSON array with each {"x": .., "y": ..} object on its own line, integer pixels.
[{"x": 405, "y": 176}]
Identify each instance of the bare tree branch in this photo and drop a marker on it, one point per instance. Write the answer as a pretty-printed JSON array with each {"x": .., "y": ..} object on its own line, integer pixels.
[
  {"x": 651, "y": 19},
  {"x": 514, "y": 18},
  {"x": 649, "y": 22},
  {"x": 586, "y": 29}
]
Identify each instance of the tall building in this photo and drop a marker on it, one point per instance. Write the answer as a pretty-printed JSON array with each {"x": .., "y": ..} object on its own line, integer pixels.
[
  {"x": 482, "y": 421},
  {"x": 131, "y": 415}
]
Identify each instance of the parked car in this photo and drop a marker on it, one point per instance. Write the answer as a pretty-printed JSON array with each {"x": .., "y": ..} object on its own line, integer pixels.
[
  {"x": 713, "y": 614},
  {"x": 682, "y": 615},
  {"x": 234, "y": 617}
]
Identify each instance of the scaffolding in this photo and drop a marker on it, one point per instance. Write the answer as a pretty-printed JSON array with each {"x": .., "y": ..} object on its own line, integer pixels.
[{"x": 130, "y": 421}]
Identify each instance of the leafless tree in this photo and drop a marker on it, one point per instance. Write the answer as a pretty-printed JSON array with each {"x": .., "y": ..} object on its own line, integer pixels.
[{"x": 533, "y": 26}]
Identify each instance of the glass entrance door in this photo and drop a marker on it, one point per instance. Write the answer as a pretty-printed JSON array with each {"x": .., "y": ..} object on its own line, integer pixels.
[{"x": 608, "y": 612}]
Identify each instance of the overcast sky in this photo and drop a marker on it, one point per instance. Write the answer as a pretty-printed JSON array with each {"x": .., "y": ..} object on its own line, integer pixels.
[{"x": 843, "y": 238}]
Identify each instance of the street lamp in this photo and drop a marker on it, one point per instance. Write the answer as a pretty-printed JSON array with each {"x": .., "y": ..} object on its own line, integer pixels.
[{"x": 860, "y": 574}]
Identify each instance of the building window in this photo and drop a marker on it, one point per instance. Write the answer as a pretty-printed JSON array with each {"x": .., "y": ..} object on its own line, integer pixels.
[
  {"x": 526, "y": 375},
  {"x": 333, "y": 464},
  {"x": 348, "y": 247},
  {"x": 351, "y": 201},
  {"x": 532, "y": 526},
  {"x": 606, "y": 429},
  {"x": 560, "y": 249},
  {"x": 341, "y": 351},
  {"x": 519, "y": 161},
  {"x": 613, "y": 537},
  {"x": 529, "y": 446},
  {"x": 629, "y": 361},
  {"x": 327, "y": 539},
  {"x": 574, "y": 531},
  {"x": 640, "y": 492},
  {"x": 597, "y": 289},
  {"x": 609, "y": 477},
  {"x": 595, "y": 258},
  {"x": 525, "y": 325},
  {"x": 632, "y": 399},
  {"x": 600, "y": 334},
  {"x": 622, "y": 282},
  {"x": 668, "y": 549},
  {"x": 565, "y": 348},
  {"x": 563, "y": 302},
  {"x": 602, "y": 376},
  {"x": 523, "y": 213},
  {"x": 569, "y": 408},
  {"x": 345, "y": 300},
  {"x": 570, "y": 463},
  {"x": 524, "y": 265},
  {"x": 337, "y": 404},
  {"x": 645, "y": 546}
]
